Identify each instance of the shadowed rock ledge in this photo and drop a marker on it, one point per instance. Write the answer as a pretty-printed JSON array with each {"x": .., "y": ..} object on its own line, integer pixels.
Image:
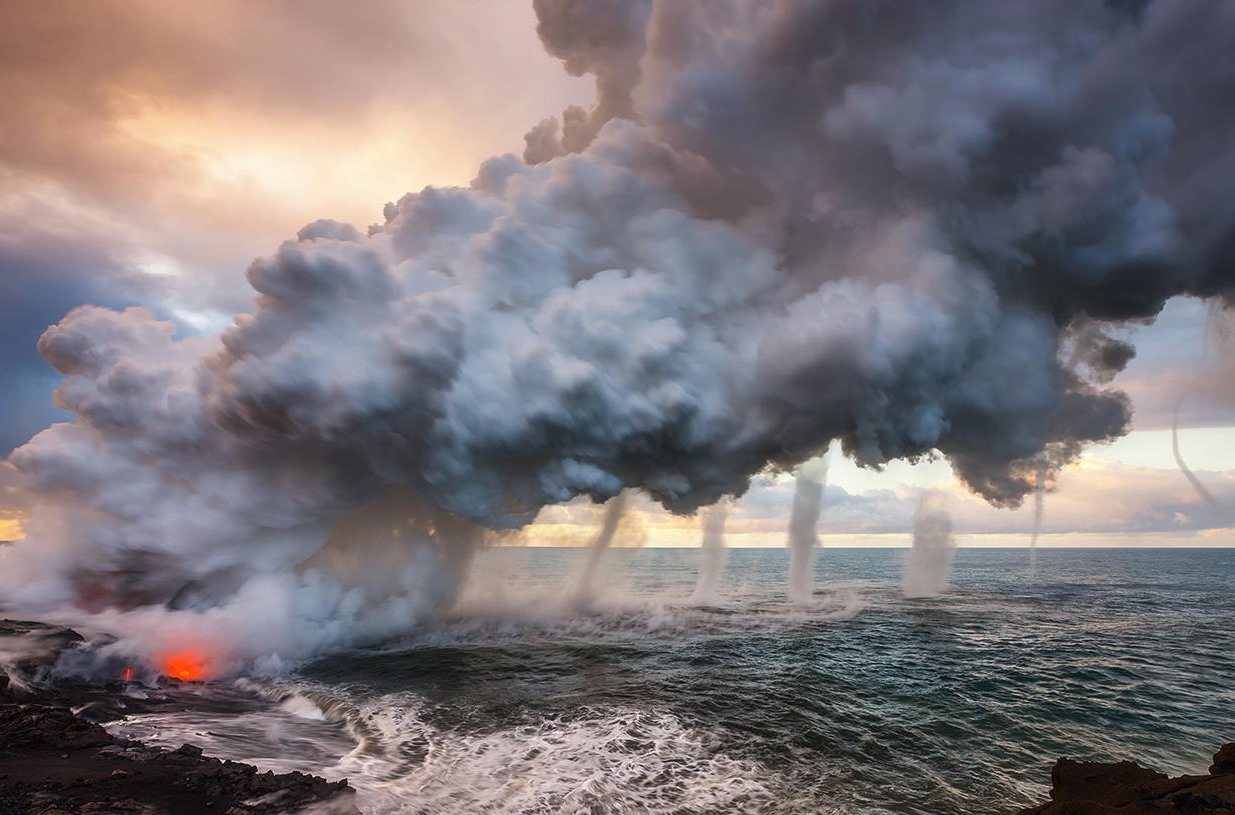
[
  {"x": 1126, "y": 788},
  {"x": 53, "y": 762}
]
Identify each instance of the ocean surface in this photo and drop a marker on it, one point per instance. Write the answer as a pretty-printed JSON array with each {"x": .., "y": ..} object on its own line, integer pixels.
[{"x": 527, "y": 699}]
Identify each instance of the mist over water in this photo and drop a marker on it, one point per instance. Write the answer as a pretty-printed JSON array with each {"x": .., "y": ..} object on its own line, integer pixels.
[{"x": 647, "y": 703}]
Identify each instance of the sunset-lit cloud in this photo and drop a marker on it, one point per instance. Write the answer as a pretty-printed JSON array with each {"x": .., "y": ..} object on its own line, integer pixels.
[
  {"x": 10, "y": 529},
  {"x": 12, "y": 504},
  {"x": 149, "y": 165},
  {"x": 1096, "y": 501}
]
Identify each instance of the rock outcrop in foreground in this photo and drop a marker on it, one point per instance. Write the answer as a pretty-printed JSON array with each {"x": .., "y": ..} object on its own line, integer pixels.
[
  {"x": 1126, "y": 788},
  {"x": 55, "y": 763}
]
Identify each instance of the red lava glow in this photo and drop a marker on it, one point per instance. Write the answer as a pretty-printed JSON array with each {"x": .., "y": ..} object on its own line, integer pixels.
[
  {"x": 187, "y": 665},
  {"x": 128, "y": 674}
]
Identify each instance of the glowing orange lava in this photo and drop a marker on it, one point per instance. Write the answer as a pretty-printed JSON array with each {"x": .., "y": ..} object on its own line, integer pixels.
[
  {"x": 128, "y": 674},
  {"x": 187, "y": 665}
]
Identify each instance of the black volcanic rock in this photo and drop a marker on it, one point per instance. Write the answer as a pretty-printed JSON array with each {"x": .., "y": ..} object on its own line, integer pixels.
[
  {"x": 1224, "y": 761},
  {"x": 27, "y": 651},
  {"x": 54, "y": 763},
  {"x": 1126, "y": 788},
  {"x": 29, "y": 655},
  {"x": 35, "y": 726},
  {"x": 47, "y": 639}
]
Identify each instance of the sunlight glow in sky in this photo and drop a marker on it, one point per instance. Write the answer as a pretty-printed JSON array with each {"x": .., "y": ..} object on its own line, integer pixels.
[{"x": 200, "y": 155}]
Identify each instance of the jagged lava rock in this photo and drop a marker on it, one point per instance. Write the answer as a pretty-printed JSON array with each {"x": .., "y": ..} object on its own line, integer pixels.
[
  {"x": 54, "y": 762},
  {"x": 1126, "y": 788}
]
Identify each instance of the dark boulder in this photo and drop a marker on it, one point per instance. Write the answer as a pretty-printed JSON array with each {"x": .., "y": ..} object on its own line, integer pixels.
[
  {"x": 1224, "y": 761},
  {"x": 54, "y": 762},
  {"x": 1093, "y": 788}
]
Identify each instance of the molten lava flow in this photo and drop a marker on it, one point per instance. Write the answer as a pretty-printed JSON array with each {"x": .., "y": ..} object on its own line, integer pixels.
[
  {"x": 187, "y": 665},
  {"x": 127, "y": 675}
]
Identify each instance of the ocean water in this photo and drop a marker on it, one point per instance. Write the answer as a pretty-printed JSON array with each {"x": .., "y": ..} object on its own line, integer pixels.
[{"x": 526, "y": 700}]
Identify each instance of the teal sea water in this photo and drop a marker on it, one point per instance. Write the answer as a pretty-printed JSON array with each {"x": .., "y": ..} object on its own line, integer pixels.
[{"x": 526, "y": 699}]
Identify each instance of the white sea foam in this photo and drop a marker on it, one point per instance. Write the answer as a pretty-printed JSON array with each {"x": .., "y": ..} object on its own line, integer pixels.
[{"x": 596, "y": 761}]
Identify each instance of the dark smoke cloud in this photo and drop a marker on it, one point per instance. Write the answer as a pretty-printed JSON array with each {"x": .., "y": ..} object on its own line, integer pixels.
[
  {"x": 604, "y": 38},
  {"x": 782, "y": 223}
]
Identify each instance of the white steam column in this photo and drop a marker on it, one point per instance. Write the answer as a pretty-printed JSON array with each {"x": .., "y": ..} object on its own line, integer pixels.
[
  {"x": 585, "y": 590},
  {"x": 803, "y": 532},
  {"x": 930, "y": 562},
  {"x": 712, "y": 556}
]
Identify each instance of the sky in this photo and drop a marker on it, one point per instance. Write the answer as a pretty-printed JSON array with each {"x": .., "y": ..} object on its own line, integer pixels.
[{"x": 149, "y": 166}]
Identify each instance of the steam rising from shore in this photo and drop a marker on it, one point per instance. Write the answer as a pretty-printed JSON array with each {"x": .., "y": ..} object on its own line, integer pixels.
[{"x": 781, "y": 224}]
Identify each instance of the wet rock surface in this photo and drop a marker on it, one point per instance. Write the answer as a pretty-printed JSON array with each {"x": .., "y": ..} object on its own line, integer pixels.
[
  {"x": 1126, "y": 788},
  {"x": 28, "y": 652},
  {"x": 56, "y": 762}
]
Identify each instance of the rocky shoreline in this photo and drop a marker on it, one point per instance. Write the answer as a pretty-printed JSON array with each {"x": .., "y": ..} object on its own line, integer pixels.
[
  {"x": 1126, "y": 788},
  {"x": 54, "y": 761}
]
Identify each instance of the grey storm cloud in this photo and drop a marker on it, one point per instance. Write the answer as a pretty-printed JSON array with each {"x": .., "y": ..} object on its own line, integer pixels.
[{"x": 898, "y": 225}]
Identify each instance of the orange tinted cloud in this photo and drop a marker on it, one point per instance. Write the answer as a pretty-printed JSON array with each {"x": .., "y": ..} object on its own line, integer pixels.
[
  {"x": 11, "y": 530},
  {"x": 105, "y": 94},
  {"x": 152, "y": 148},
  {"x": 206, "y": 133}
]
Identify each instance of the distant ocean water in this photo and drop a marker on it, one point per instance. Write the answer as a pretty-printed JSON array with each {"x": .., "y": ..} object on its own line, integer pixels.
[{"x": 525, "y": 701}]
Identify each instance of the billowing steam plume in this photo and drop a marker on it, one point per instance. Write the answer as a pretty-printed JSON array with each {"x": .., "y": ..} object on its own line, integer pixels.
[
  {"x": 585, "y": 590},
  {"x": 781, "y": 223},
  {"x": 712, "y": 554},
  {"x": 930, "y": 561},
  {"x": 804, "y": 529}
]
